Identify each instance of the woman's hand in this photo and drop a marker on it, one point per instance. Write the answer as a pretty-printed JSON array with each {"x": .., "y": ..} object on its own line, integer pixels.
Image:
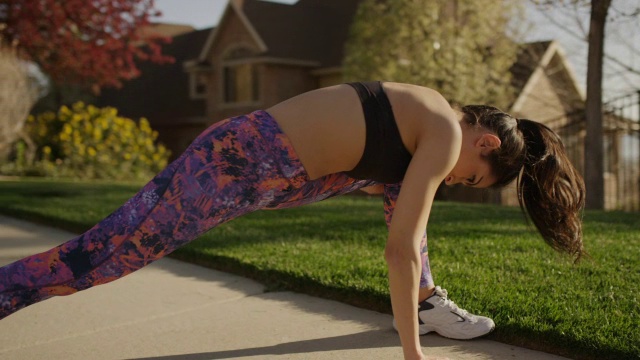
[{"x": 425, "y": 357}]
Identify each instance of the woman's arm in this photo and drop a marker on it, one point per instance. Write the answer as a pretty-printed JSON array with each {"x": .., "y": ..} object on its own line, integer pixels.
[
  {"x": 391, "y": 192},
  {"x": 434, "y": 157}
]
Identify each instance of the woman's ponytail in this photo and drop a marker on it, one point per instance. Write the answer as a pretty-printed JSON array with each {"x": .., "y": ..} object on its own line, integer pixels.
[{"x": 550, "y": 189}]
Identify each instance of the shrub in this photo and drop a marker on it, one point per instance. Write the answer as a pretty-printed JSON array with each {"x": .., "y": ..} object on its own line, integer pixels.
[
  {"x": 17, "y": 96},
  {"x": 87, "y": 142}
]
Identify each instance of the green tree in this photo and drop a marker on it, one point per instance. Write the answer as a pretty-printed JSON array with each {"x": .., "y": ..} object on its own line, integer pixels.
[{"x": 459, "y": 47}]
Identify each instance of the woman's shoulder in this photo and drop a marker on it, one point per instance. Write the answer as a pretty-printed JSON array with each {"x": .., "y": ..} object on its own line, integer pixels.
[
  {"x": 423, "y": 111},
  {"x": 421, "y": 97}
]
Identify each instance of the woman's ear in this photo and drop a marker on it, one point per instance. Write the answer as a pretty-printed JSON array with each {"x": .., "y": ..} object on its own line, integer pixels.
[{"x": 488, "y": 142}]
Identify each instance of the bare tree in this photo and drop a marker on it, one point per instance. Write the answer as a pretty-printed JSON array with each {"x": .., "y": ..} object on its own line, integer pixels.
[
  {"x": 570, "y": 19},
  {"x": 594, "y": 147},
  {"x": 594, "y": 142}
]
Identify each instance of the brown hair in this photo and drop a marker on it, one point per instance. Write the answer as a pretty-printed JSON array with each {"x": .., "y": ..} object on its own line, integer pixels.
[{"x": 550, "y": 189}]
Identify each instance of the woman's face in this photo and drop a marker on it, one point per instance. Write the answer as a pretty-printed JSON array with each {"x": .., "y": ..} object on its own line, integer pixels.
[
  {"x": 472, "y": 168},
  {"x": 473, "y": 171}
]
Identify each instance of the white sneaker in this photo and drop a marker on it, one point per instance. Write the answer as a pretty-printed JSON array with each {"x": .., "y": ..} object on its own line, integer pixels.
[{"x": 438, "y": 313}]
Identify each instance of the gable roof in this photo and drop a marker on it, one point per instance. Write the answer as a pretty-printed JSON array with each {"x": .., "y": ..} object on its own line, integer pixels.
[
  {"x": 234, "y": 7},
  {"x": 309, "y": 30},
  {"x": 533, "y": 58},
  {"x": 314, "y": 30},
  {"x": 527, "y": 61}
]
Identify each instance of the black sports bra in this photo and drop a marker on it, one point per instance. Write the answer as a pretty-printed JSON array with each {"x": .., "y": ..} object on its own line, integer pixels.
[{"x": 385, "y": 158}]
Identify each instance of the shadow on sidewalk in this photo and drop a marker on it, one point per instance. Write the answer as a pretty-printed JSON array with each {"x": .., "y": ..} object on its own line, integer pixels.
[{"x": 364, "y": 340}]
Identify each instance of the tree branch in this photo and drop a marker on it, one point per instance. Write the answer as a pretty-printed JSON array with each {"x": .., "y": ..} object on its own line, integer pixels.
[{"x": 577, "y": 36}]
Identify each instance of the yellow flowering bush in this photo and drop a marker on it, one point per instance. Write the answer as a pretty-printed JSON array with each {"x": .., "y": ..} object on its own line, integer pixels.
[{"x": 84, "y": 141}]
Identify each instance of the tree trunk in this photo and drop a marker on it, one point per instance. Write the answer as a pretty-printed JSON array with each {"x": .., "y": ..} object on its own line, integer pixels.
[{"x": 594, "y": 149}]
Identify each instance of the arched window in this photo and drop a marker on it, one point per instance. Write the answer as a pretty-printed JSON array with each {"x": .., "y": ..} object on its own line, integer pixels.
[{"x": 240, "y": 76}]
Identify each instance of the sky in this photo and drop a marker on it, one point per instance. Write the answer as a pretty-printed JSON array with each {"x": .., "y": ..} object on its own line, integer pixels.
[
  {"x": 623, "y": 35},
  {"x": 200, "y": 14}
]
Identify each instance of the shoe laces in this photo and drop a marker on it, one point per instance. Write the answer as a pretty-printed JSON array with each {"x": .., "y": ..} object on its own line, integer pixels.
[{"x": 446, "y": 302}]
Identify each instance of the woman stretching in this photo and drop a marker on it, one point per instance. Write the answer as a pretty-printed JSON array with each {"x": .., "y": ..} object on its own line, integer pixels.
[{"x": 320, "y": 144}]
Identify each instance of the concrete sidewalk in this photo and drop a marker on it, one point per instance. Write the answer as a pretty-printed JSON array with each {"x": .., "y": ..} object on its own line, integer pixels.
[{"x": 173, "y": 310}]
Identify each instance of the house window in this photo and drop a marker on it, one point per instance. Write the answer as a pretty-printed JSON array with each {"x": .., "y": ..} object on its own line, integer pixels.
[
  {"x": 240, "y": 77},
  {"x": 240, "y": 84},
  {"x": 199, "y": 84}
]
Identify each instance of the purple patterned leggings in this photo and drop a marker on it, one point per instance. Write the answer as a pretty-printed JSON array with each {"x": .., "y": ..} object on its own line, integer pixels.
[{"x": 236, "y": 166}]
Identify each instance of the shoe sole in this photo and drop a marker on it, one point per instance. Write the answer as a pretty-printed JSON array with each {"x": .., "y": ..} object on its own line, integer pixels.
[{"x": 424, "y": 330}]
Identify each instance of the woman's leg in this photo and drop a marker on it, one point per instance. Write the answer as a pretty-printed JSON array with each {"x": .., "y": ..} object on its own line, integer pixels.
[
  {"x": 338, "y": 184},
  {"x": 427, "y": 286},
  {"x": 228, "y": 171}
]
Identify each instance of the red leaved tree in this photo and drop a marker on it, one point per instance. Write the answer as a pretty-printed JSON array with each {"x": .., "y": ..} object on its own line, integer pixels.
[{"x": 83, "y": 42}]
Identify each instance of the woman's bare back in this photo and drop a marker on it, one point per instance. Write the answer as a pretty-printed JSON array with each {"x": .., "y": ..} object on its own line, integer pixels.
[{"x": 327, "y": 126}]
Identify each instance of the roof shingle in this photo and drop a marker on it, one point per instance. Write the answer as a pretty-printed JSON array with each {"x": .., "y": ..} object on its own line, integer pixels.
[{"x": 311, "y": 30}]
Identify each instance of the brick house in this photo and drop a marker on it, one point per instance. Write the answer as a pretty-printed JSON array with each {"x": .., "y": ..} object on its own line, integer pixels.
[{"x": 262, "y": 53}]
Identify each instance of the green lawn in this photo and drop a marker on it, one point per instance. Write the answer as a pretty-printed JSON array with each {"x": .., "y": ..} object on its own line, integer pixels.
[{"x": 491, "y": 262}]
